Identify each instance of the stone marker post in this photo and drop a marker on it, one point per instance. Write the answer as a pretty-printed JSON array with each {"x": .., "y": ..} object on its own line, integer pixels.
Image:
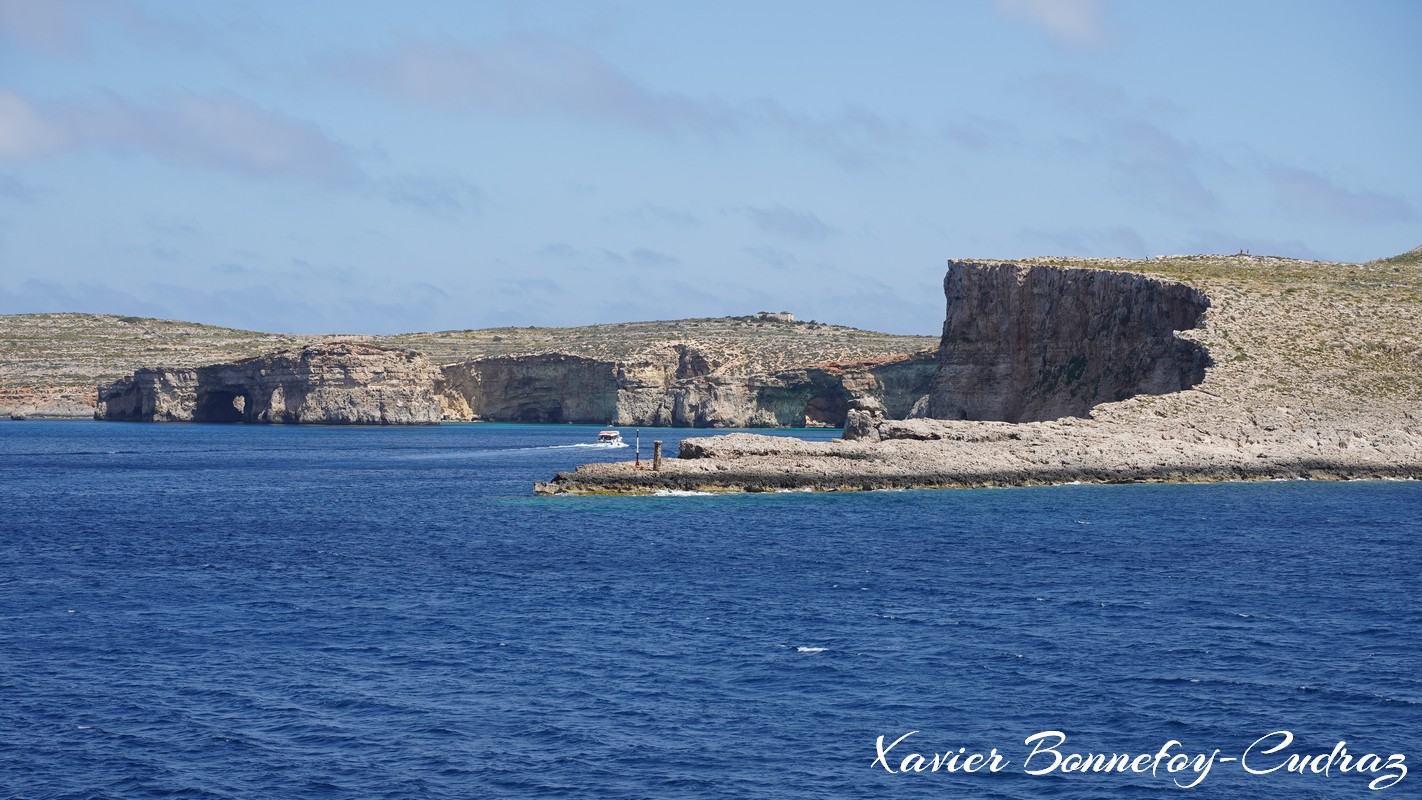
[{"x": 656, "y": 454}]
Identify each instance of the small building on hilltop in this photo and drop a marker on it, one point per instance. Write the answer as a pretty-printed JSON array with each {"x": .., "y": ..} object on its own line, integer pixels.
[{"x": 774, "y": 316}]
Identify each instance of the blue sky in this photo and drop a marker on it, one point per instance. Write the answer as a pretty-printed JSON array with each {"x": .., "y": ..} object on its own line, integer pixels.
[{"x": 382, "y": 167}]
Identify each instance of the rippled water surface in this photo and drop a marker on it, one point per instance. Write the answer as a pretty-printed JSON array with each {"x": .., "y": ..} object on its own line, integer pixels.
[{"x": 232, "y": 611}]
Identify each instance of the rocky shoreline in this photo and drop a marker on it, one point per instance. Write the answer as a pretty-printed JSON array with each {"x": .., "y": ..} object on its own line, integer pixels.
[
  {"x": 1297, "y": 370},
  {"x": 1181, "y": 368},
  {"x": 732, "y": 483},
  {"x": 985, "y": 454},
  {"x": 766, "y": 370},
  {"x": 340, "y": 383}
]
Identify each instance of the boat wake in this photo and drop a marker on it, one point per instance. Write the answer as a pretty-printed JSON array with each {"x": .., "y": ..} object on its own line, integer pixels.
[
  {"x": 497, "y": 451},
  {"x": 583, "y": 445}
]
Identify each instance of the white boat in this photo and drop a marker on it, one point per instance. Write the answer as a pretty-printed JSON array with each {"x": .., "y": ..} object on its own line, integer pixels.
[{"x": 609, "y": 437}]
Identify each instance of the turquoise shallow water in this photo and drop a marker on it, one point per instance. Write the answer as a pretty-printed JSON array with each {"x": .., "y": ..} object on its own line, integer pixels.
[{"x": 232, "y": 611}]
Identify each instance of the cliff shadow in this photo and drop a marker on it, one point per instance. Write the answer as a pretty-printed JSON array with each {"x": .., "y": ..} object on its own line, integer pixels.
[
  {"x": 827, "y": 410},
  {"x": 225, "y": 404}
]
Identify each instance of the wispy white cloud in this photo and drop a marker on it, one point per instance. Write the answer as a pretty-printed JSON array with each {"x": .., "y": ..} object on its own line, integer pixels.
[
  {"x": 63, "y": 27},
  {"x": 34, "y": 296},
  {"x": 215, "y": 131},
  {"x": 220, "y": 132},
  {"x": 528, "y": 74},
  {"x": 865, "y": 305},
  {"x": 855, "y": 137},
  {"x": 437, "y": 194},
  {"x": 646, "y": 257},
  {"x": 1143, "y": 157},
  {"x": 522, "y": 288},
  {"x": 978, "y": 133},
  {"x": 652, "y": 213},
  {"x": 229, "y": 269},
  {"x": 560, "y": 250},
  {"x": 532, "y": 74},
  {"x": 1148, "y": 160},
  {"x": 1307, "y": 192},
  {"x": 52, "y": 26},
  {"x": 271, "y": 304},
  {"x": 1119, "y": 241},
  {"x": 773, "y": 256},
  {"x": 1080, "y": 94},
  {"x": 1074, "y": 23},
  {"x": 789, "y": 223},
  {"x": 25, "y": 131},
  {"x": 1158, "y": 167},
  {"x": 12, "y": 188}
]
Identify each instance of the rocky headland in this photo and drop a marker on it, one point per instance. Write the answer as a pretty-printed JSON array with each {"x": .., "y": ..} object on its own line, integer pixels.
[
  {"x": 339, "y": 383},
  {"x": 51, "y": 364},
  {"x": 1025, "y": 342},
  {"x": 754, "y": 371},
  {"x": 1189, "y": 368}
]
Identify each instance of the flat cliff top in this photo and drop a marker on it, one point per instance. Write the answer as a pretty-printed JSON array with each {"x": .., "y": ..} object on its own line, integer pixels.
[
  {"x": 40, "y": 349},
  {"x": 1300, "y": 332},
  {"x": 50, "y": 364},
  {"x": 760, "y": 346},
  {"x": 1317, "y": 373}
]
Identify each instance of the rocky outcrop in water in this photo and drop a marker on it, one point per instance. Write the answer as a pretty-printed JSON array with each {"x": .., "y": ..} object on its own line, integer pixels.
[
  {"x": 1024, "y": 342},
  {"x": 333, "y": 384}
]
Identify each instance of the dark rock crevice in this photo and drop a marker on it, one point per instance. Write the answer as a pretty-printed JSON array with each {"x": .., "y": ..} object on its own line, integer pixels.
[{"x": 220, "y": 405}]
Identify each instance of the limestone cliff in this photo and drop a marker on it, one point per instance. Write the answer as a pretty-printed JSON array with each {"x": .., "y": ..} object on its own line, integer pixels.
[
  {"x": 1315, "y": 372},
  {"x": 677, "y": 384},
  {"x": 706, "y": 371},
  {"x": 334, "y": 383},
  {"x": 151, "y": 394},
  {"x": 547, "y": 387},
  {"x": 1024, "y": 342}
]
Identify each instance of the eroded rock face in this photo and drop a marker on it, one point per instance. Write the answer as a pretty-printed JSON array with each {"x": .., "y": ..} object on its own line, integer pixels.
[
  {"x": 865, "y": 417},
  {"x": 673, "y": 385},
  {"x": 676, "y": 385},
  {"x": 150, "y": 395},
  {"x": 1024, "y": 343},
  {"x": 551, "y": 387},
  {"x": 334, "y": 383}
]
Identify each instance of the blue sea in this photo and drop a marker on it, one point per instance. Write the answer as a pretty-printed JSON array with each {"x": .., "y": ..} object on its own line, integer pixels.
[{"x": 207, "y": 611}]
